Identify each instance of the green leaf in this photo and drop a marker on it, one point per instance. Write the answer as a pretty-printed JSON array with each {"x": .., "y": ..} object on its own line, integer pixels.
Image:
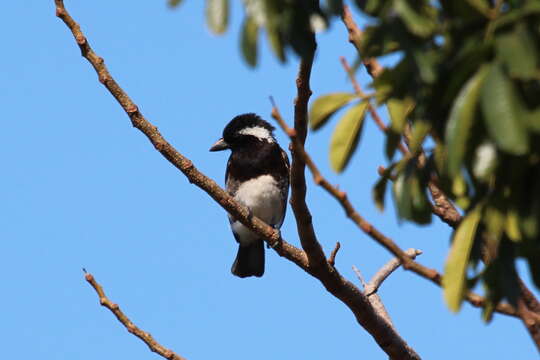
[
  {"x": 346, "y": 135},
  {"x": 379, "y": 190},
  {"x": 402, "y": 196},
  {"x": 335, "y": 7},
  {"x": 217, "y": 15},
  {"x": 499, "y": 107},
  {"x": 325, "y": 106},
  {"x": 174, "y": 3},
  {"x": 410, "y": 193},
  {"x": 455, "y": 272},
  {"x": 250, "y": 33},
  {"x": 461, "y": 119},
  {"x": 392, "y": 142},
  {"x": 480, "y": 5},
  {"x": 419, "y": 24},
  {"x": 512, "y": 225},
  {"x": 518, "y": 52},
  {"x": 399, "y": 109},
  {"x": 420, "y": 130},
  {"x": 273, "y": 30}
]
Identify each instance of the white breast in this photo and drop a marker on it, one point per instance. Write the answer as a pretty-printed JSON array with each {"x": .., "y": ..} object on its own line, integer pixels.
[{"x": 263, "y": 197}]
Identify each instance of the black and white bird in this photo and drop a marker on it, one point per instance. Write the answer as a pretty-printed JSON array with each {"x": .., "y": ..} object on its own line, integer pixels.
[{"x": 257, "y": 176}]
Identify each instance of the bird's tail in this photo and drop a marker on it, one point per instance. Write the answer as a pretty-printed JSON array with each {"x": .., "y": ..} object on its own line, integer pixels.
[{"x": 249, "y": 260}]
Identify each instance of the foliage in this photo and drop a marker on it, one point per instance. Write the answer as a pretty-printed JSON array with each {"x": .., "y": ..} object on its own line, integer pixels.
[{"x": 466, "y": 92}]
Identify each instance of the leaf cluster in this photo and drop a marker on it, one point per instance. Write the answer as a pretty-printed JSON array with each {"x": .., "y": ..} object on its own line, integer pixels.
[{"x": 465, "y": 94}]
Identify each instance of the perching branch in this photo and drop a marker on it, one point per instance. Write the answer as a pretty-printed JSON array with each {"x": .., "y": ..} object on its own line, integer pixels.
[
  {"x": 348, "y": 293},
  {"x": 152, "y": 344}
]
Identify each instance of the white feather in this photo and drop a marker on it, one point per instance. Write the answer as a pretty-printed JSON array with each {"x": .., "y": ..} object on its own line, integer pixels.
[
  {"x": 259, "y": 132},
  {"x": 263, "y": 197}
]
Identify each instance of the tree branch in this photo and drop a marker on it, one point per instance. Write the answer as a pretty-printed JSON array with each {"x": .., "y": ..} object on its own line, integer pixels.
[
  {"x": 374, "y": 299},
  {"x": 355, "y": 38},
  {"x": 303, "y": 217},
  {"x": 152, "y": 344},
  {"x": 386, "y": 270},
  {"x": 348, "y": 293}
]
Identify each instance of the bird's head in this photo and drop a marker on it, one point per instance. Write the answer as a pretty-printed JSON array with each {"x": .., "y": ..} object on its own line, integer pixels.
[{"x": 244, "y": 131}]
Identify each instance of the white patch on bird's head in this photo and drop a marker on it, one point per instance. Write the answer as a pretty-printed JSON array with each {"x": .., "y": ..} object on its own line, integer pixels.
[{"x": 259, "y": 132}]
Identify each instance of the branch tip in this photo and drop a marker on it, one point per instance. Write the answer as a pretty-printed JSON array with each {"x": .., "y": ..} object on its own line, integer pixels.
[{"x": 332, "y": 258}]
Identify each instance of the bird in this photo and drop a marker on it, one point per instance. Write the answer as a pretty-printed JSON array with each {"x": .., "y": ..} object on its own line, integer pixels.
[{"x": 257, "y": 176}]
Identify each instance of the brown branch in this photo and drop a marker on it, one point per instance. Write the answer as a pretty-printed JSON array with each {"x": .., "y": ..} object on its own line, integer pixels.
[
  {"x": 369, "y": 229},
  {"x": 355, "y": 37},
  {"x": 332, "y": 258},
  {"x": 374, "y": 299},
  {"x": 152, "y": 344},
  {"x": 370, "y": 289},
  {"x": 304, "y": 223},
  {"x": 348, "y": 293},
  {"x": 386, "y": 270}
]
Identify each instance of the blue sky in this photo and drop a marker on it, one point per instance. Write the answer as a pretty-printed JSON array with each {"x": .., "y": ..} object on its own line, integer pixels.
[{"x": 81, "y": 188}]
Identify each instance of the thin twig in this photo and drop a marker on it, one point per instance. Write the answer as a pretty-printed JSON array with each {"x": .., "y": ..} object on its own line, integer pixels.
[
  {"x": 332, "y": 258},
  {"x": 386, "y": 270},
  {"x": 152, "y": 343}
]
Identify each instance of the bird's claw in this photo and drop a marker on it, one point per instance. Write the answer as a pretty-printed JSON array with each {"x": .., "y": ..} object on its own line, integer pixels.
[{"x": 276, "y": 243}]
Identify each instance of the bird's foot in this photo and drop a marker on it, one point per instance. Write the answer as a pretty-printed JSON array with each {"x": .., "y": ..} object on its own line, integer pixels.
[{"x": 276, "y": 243}]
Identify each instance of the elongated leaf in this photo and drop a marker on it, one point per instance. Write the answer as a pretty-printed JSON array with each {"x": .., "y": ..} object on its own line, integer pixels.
[
  {"x": 518, "y": 51},
  {"x": 480, "y": 5},
  {"x": 217, "y": 15},
  {"x": 392, "y": 142},
  {"x": 399, "y": 109},
  {"x": 346, "y": 136},
  {"x": 499, "y": 107},
  {"x": 455, "y": 271},
  {"x": 419, "y": 24},
  {"x": 325, "y": 106},
  {"x": 250, "y": 33},
  {"x": 410, "y": 194},
  {"x": 379, "y": 190},
  {"x": 461, "y": 119},
  {"x": 273, "y": 31},
  {"x": 512, "y": 225},
  {"x": 420, "y": 130}
]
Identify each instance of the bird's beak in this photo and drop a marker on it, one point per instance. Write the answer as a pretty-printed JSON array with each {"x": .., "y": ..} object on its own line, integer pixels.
[{"x": 220, "y": 145}]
